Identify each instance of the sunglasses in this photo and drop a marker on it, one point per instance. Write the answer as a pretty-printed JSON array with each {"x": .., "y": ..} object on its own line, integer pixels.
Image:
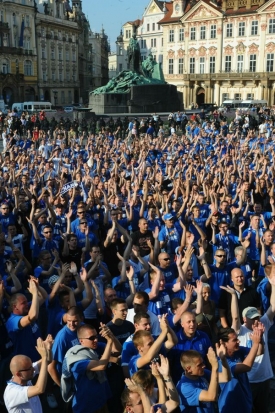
[
  {"x": 166, "y": 259},
  {"x": 83, "y": 223},
  {"x": 220, "y": 256},
  {"x": 47, "y": 232},
  {"x": 81, "y": 212},
  {"x": 91, "y": 338}
]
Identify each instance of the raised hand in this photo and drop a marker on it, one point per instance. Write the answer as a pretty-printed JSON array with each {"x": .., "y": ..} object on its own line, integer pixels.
[
  {"x": 212, "y": 358},
  {"x": 228, "y": 289},
  {"x": 163, "y": 367},
  {"x": 220, "y": 349}
]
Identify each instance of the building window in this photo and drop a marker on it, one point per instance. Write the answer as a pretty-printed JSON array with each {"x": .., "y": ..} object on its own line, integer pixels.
[
  {"x": 269, "y": 62},
  {"x": 271, "y": 26},
  {"x": 27, "y": 43},
  {"x": 158, "y": 26},
  {"x": 28, "y": 68},
  {"x": 43, "y": 34},
  {"x": 67, "y": 75},
  {"x": 181, "y": 66},
  {"x": 225, "y": 96},
  {"x": 240, "y": 63},
  {"x": 202, "y": 32},
  {"x": 241, "y": 28},
  {"x": 73, "y": 56},
  {"x": 62, "y": 97},
  {"x": 254, "y": 28},
  {"x": 252, "y": 63},
  {"x": 52, "y": 54},
  {"x": 120, "y": 67},
  {"x": 229, "y": 30},
  {"x": 70, "y": 96},
  {"x": 73, "y": 76},
  {"x": 181, "y": 35},
  {"x": 27, "y": 20},
  {"x": 171, "y": 66},
  {"x": 143, "y": 43},
  {"x": 171, "y": 35},
  {"x": 193, "y": 33},
  {"x": 60, "y": 75},
  {"x": 43, "y": 53},
  {"x": 5, "y": 66},
  {"x": 148, "y": 27},
  {"x": 228, "y": 63},
  {"x": 60, "y": 54},
  {"x": 162, "y": 41},
  {"x": 212, "y": 66},
  {"x": 153, "y": 27},
  {"x": 192, "y": 65},
  {"x": 153, "y": 42},
  {"x": 68, "y": 55},
  {"x": 213, "y": 31},
  {"x": 120, "y": 51},
  {"x": 202, "y": 63},
  {"x": 237, "y": 96},
  {"x": 250, "y": 96},
  {"x": 128, "y": 34},
  {"x": 155, "y": 57},
  {"x": 44, "y": 75},
  {"x": 53, "y": 75}
]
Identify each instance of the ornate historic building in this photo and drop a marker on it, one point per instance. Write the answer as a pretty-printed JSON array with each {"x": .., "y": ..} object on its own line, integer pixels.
[
  {"x": 213, "y": 50},
  {"x": 18, "y": 51}
]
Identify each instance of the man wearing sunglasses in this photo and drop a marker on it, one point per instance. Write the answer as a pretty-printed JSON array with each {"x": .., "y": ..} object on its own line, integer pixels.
[{"x": 84, "y": 364}]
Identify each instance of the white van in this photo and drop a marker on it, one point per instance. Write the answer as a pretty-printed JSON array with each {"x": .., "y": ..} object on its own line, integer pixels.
[
  {"x": 249, "y": 104},
  {"x": 17, "y": 106},
  {"x": 230, "y": 103},
  {"x": 37, "y": 106}
]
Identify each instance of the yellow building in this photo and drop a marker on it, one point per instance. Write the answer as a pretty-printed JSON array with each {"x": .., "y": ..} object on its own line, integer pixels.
[{"x": 18, "y": 52}]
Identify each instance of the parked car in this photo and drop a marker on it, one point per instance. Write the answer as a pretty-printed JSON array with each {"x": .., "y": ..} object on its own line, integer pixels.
[{"x": 68, "y": 109}]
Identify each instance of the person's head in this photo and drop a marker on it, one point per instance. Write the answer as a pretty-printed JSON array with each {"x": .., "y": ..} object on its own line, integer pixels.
[
  {"x": 109, "y": 295},
  {"x": 237, "y": 277},
  {"x": 176, "y": 303},
  {"x": 143, "y": 225},
  {"x": 140, "y": 302},
  {"x": 145, "y": 379},
  {"x": 45, "y": 259},
  {"x": 19, "y": 304},
  {"x": 206, "y": 292},
  {"x": 119, "y": 309},
  {"x": 230, "y": 340},
  {"x": 220, "y": 257},
  {"x": 5, "y": 210},
  {"x": 168, "y": 220},
  {"x": 268, "y": 237},
  {"x": 47, "y": 232},
  {"x": 192, "y": 363},
  {"x": 72, "y": 241},
  {"x": 153, "y": 275},
  {"x": 188, "y": 323},
  {"x": 94, "y": 253},
  {"x": 12, "y": 230},
  {"x": 196, "y": 211},
  {"x": 164, "y": 260},
  {"x": 22, "y": 369},
  {"x": 142, "y": 321},
  {"x": 87, "y": 336},
  {"x": 240, "y": 255},
  {"x": 74, "y": 317},
  {"x": 223, "y": 227},
  {"x": 250, "y": 316},
  {"x": 131, "y": 402},
  {"x": 255, "y": 222},
  {"x": 257, "y": 208},
  {"x": 142, "y": 341}
]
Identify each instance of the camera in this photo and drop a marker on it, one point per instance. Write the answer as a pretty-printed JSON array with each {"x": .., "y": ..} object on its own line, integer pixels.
[{"x": 156, "y": 360}]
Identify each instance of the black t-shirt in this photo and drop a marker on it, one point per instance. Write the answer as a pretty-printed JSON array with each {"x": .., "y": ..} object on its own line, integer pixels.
[
  {"x": 123, "y": 331},
  {"x": 74, "y": 256},
  {"x": 248, "y": 298},
  {"x": 110, "y": 257},
  {"x": 140, "y": 240}
]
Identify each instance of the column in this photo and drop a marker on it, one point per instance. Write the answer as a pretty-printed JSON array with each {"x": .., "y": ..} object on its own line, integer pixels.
[{"x": 217, "y": 93}]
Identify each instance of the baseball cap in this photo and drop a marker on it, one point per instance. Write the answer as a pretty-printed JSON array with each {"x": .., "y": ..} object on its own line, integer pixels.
[
  {"x": 167, "y": 217},
  {"x": 52, "y": 280},
  {"x": 251, "y": 312}
]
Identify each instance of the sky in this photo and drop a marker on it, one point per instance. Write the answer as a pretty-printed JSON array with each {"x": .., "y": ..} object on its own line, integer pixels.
[{"x": 112, "y": 14}]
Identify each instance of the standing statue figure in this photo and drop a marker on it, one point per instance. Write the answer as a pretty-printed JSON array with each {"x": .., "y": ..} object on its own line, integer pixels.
[{"x": 133, "y": 53}]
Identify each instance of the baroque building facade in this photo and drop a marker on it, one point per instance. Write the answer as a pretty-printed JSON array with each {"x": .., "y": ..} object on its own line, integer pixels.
[
  {"x": 18, "y": 51},
  {"x": 211, "y": 50}
]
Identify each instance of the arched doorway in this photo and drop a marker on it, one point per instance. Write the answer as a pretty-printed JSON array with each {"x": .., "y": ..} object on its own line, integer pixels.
[
  {"x": 8, "y": 96},
  {"x": 29, "y": 94},
  {"x": 200, "y": 96}
]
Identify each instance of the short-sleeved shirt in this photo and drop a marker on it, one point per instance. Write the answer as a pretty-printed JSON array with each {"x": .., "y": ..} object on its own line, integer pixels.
[{"x": 189, "y": 392}]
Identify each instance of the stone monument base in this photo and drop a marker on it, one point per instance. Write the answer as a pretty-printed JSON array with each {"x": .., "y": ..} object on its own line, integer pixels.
[{"x": 140, "y": 99}]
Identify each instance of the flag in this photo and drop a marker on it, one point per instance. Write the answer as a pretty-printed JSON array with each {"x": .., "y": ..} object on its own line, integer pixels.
[{"x": 21, "y": 39}]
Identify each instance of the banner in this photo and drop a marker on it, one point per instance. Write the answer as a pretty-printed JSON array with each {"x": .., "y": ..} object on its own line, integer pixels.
[{"x": 68, "y": 186}]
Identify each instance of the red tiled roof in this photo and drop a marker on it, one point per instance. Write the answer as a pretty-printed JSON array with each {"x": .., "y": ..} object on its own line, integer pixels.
[
  {"x": 135, "y": 22},
  {"x": 241, "y": 10}
]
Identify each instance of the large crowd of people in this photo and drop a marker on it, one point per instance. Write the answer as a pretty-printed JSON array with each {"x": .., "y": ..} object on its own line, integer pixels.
[{"x": 137, "y": 263}]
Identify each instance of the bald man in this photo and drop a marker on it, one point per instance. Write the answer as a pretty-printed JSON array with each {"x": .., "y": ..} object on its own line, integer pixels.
[{"x": 20, "y": 395}]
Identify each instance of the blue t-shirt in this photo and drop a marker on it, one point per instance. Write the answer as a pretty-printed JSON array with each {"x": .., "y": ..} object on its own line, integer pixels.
[
  {"x": 220, "y": 276},
  {"x": 64, "y": 340},
  {"x": 236, "y": 395},
  {"x": 189, "y": 392},
  {"x": 162, "y": 303}
]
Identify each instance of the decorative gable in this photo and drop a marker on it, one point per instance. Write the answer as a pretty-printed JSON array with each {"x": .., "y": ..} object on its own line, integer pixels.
[
  {"x": 270, "y": 47},
  {"x": 201, "y": 11},
  {"x": 202, "y": 51},
  {"x": 253, "y": 48},
  {"x": 228, "y": 50},
  {"x": 240, "y": 48}
]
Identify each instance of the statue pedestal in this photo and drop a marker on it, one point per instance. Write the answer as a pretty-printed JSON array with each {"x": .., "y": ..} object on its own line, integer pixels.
[{"x": 140, "y": 99}]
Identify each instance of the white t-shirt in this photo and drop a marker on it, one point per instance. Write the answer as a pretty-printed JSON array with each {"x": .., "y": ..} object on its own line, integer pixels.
[
  {"x": 261, "y": 369},
  {"x": 16, "y": 398},
  {"x": 155, "y": 327}
]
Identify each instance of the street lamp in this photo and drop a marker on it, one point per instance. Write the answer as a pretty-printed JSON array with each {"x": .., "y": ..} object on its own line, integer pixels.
[{"x": 55, "y": 92}]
